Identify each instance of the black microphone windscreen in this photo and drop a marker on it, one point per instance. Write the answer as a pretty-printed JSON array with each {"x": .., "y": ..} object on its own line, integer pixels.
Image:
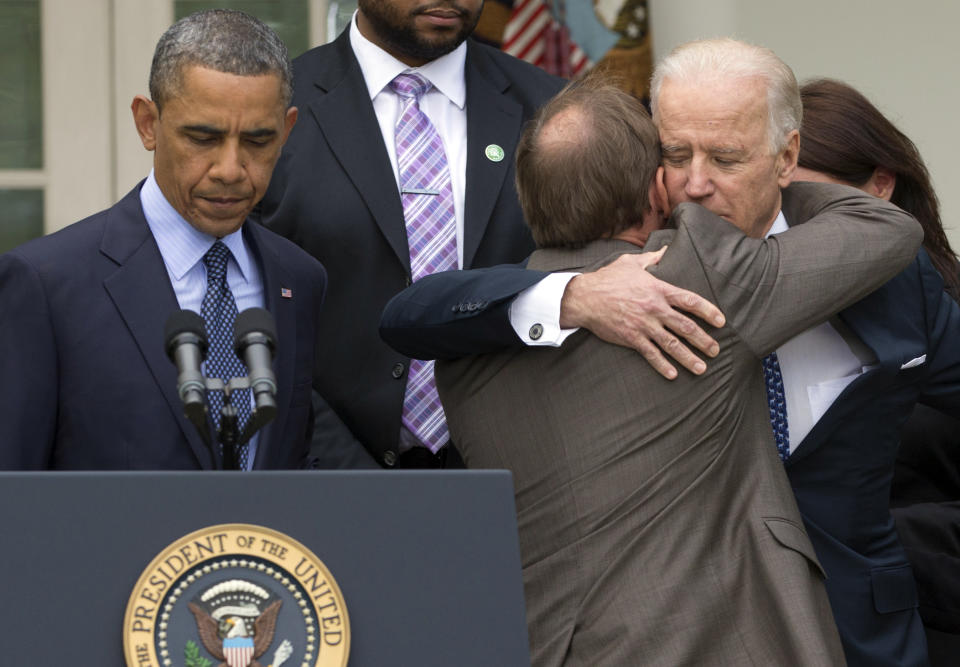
[
  {"x": 183, "y": 321},
  {"x": 253, "y": 320}
]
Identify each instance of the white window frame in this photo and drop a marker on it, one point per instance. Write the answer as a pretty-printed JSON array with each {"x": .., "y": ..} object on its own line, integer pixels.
[{"x": 95, "y": 58}]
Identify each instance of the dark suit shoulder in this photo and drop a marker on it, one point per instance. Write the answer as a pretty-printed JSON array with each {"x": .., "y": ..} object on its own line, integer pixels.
[
  {"x": 60, "y": 250},
  {"x": 525, "y": 81},
  {"x": 321, "y": 63},
  {"x": 896, "y": 299},
  {"x": 293, "y": 256},
  {"x": 74, "y": 239},
  {"x": 311, "y": 57}
]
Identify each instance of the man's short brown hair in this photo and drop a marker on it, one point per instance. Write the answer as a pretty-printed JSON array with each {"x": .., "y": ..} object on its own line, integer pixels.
[{"x": 588, "y": 176}]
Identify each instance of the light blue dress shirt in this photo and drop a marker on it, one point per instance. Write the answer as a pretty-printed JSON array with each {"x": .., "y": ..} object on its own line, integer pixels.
[{"x": 183, "y": 247}]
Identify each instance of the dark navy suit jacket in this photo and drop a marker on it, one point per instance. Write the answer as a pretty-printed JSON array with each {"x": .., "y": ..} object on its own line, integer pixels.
[
  {"x": 840, "y": 473},
  {"x": 86, "y": 381},
  {"x": 334, "y": 194},
  {"x": 926, "y": 506}
]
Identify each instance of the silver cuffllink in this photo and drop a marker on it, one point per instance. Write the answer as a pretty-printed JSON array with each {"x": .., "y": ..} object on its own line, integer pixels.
[
  {"x": 536, "y": 331},
  {"x": 418, "y": 191}
]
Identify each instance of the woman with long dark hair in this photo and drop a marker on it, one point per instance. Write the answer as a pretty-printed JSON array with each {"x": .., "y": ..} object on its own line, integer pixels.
[{"x": 845, "y": 139}]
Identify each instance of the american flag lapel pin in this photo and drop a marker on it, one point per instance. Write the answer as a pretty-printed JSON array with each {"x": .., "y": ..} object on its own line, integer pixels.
[{"x": 286, "y": 293}]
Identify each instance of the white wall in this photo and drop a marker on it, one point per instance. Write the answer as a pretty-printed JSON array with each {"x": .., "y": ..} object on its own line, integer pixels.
[
  {"x": 96, "y": 57},
  {"x": 904, "y": 56}
]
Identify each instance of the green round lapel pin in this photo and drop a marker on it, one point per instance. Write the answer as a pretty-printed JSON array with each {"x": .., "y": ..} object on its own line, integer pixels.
[{"x": 494, "y": 153}]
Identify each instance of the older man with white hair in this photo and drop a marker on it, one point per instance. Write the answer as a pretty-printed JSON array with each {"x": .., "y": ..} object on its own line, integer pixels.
[{"x": 839, "y": 393}]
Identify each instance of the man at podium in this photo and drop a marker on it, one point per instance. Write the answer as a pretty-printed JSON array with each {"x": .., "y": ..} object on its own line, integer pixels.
[{"x": 87, "y": 383}]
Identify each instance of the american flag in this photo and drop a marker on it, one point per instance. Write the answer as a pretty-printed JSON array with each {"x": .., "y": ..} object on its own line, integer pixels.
[{"x": 534, "y": 34}]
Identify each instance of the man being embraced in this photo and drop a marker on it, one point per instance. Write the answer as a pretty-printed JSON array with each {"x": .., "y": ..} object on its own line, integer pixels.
[{"x": 656, "y": 522}]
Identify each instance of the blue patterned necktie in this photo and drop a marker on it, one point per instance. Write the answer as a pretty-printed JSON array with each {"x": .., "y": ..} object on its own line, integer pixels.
[
  {"x": 777, "y": 403},
  {"x": 427, "y": 198},
  {"x": 219, "y": 310}
]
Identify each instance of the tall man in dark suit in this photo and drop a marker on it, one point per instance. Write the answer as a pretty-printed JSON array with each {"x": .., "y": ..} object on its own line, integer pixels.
[
  {"x": 87, "y": 384},
  {"x": 849, "y": 384},
  {"x": 335, "y": 193}
]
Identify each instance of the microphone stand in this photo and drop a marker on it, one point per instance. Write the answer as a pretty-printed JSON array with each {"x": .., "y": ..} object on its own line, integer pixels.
[
  {"x": 186, "y": 345},
  {"x": 228, "y": 435}
]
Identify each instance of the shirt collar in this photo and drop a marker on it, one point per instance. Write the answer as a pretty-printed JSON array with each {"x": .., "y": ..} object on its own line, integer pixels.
[
  {"x": 379, "y": 68},
  {"x": 779, "y": 225},
  {"x": 181, "y": 244}
]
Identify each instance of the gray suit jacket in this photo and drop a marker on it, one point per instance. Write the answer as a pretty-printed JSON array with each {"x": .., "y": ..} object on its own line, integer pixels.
[{"x": 657, "y": 526}]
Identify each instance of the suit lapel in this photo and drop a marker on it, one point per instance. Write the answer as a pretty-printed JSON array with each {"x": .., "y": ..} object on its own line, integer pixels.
[
  {"x": 492, "y": 119},
  {"x": 145, "y": 299},
  {"x": 894, "y": 340},
  {"x": 856, "y": 400},
  {"x": 341, "y": 107},
  {"x": 848, "y": 401},
  {"x": 276, "y": 277},
  {"x": 868, "y": 322}
]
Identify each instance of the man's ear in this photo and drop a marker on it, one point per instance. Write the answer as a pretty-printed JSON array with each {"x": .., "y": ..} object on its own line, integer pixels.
[
  {"x": 288, "y": 122},
  {"x": 881, "y": 183},
  {"x": 787, "y": 159},
  {"x": 656, "y": 215},
  {"x": 146, "y": 116},
  {"x": 658, "y": 195}
]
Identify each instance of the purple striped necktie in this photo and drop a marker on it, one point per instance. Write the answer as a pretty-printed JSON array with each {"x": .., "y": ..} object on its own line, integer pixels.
[{"x": 431, "y": 237}]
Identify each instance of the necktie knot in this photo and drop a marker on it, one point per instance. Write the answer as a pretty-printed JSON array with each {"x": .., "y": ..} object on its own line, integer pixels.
[
  {"x": 409, "y": 84},
  {"x": 216, "y": 262}
]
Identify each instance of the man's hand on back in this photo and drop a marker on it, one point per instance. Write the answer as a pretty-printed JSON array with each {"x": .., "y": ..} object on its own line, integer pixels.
[{"x": 624, "y": 305}]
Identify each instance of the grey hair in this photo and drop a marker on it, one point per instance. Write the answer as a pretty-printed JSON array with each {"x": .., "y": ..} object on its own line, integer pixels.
[
  {"x": 224, "y": 40},
  {"x": 725, "y": 57}
]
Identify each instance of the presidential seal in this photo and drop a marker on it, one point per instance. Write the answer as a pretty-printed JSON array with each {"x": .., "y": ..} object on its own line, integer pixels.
[{"x": 236, "y": 595}]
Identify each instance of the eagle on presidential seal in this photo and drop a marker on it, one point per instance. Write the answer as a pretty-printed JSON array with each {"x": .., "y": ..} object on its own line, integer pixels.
[{"x": 236, "y": 621}]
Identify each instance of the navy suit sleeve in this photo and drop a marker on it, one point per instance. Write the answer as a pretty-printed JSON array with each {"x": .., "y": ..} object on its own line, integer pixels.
[
  {"x": 929, "y": 530},
  {"x": 456, "y": 313},
  {"x": 941, "y": 388},
  {"x": 333, "y": 446},
  {"x": 28, "y": 398},
  {"x": 330, "y": 444},
  {"x": 926, "y": 495},
  {"x": 929, "y": 533}
]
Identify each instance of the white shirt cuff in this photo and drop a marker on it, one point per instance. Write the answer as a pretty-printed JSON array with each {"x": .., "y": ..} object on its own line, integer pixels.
[{"x": 535, "y": 312}]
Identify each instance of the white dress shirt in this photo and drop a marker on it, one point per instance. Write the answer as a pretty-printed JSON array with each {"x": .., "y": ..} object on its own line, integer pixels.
[
  {"x": 535, "y": 312},
  {"x": 444, "y": 104},
  {"x": 182, "y": 247},
  {"x": 817, "y": 365}
]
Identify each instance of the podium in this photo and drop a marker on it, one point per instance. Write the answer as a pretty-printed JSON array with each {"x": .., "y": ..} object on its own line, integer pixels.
[{"x": 427, "y": 562}]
